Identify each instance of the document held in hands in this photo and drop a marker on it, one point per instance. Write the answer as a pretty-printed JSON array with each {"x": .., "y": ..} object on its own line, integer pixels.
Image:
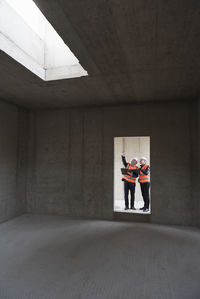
[{"x": 125, "y": 170}]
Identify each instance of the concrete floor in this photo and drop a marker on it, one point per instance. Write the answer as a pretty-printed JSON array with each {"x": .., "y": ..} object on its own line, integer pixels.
[
  {"x": 52, "y": 257},
  {"x": 119, "y": 206}
]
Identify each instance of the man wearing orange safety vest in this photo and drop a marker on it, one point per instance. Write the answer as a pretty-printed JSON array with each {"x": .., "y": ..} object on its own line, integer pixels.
[
  {"x": 144, "y": 180},
  {"x": 129, "y": 181}
]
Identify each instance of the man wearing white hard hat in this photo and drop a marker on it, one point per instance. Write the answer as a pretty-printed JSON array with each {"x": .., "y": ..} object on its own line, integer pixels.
[
  {"x": 144, "y": 180},
  {"x": 129, "y": 181}
]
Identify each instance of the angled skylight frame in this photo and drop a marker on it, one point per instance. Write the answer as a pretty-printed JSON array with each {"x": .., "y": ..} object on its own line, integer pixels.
[{"x": 28, "y": 37}]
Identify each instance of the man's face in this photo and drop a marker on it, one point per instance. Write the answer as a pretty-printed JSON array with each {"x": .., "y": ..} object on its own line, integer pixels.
[
  {"x": 133, "y": 162},
  {"x": 142, "y": 161}
]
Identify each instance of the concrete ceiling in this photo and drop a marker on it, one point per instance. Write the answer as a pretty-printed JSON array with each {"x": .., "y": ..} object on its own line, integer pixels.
[{"x": 133, "y": 50}]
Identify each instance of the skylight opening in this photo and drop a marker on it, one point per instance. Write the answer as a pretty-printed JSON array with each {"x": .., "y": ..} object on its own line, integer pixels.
[
  {"x": 32, "y": 41},
  {"x": 31, "y": 14}
]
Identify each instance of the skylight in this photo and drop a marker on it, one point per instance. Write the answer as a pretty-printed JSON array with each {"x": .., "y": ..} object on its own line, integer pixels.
[{"x": 27, "y": 36}]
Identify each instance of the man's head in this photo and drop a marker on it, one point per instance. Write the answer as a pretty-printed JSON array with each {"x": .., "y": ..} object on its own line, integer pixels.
[
  {"x": 134, "y": 161},
  {"x": 143, "y": 161}
]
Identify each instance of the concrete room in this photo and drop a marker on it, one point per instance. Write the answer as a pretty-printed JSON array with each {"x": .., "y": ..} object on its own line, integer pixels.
[{"x": 136, "y": 73}]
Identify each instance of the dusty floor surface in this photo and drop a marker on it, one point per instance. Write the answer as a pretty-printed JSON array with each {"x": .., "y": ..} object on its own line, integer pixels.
[{"x": 54, "y": 257}]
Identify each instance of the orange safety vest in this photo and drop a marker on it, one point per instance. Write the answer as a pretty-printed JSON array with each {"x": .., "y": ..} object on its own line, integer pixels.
[
  {"x": 142, "y": 177},
  {"x": 129, "y": 178}
]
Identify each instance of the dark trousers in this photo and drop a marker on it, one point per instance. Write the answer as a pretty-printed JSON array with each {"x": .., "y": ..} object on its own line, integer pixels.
[
  {"x": 145, "y": 194},
  {"x": 129, "y": 186}
]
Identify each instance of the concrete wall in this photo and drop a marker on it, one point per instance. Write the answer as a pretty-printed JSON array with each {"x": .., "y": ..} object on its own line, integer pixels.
[
  {"x": 71, "y": 160},
  {"x": 13, "y": 157},
  {"x": 197, "y": 216},
  {"x": 196, "y": 164}
]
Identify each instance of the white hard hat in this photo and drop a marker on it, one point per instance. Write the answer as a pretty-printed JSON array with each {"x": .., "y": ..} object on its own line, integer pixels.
[
  {"x": 134, "y": 158},
  {"x": 143, "y": 158}
]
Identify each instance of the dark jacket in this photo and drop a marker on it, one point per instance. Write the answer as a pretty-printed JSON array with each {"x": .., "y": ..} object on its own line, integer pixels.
[{"x": 146, "y": 171}]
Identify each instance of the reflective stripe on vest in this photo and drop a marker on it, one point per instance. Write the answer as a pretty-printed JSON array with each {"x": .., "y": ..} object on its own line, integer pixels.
[
  {"x": 142, "y": 177},
  {"x": 129, "y": 178}
]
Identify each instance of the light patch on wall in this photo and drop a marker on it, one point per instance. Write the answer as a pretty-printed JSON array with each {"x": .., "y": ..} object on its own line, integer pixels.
[{"x": 27, "y": 36}]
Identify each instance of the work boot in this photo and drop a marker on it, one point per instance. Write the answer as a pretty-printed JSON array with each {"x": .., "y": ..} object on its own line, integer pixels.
[
  {"x": 142, "y": 208},
  {"x": 146, "y": 210},
  {"x": 133, "y": 208},
  {"x": 126, "y": 208}
]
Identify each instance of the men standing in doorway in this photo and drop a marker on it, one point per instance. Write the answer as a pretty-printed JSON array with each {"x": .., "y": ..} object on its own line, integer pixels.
[
  {"x": 144, "y": 180},
  {"x": 129, "y": 181}
]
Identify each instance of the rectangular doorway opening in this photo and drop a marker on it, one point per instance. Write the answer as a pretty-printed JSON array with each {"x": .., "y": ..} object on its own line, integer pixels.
[{"x": 132, "y": 175}]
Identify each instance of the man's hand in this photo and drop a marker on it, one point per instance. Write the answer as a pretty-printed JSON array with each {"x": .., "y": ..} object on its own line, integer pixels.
[
  {"x": 130, "y": 173},
  {"x": 123, "y": 153}
]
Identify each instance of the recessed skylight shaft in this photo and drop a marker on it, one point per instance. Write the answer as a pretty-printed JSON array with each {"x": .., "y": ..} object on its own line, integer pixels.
[{"x": 27, "y": 36}]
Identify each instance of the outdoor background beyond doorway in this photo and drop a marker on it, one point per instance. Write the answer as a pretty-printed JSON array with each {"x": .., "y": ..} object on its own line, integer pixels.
[{"x": 133, "y": 147}]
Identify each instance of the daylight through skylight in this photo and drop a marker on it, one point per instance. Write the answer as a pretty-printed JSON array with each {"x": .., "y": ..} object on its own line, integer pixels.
[{"x": 27, "y": 36}]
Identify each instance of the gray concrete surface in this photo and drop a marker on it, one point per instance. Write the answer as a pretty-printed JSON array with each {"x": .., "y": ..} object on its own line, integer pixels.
[
  {"x": 51, "y": 257},
  {"x": 133, "y": 50},
  {"x": 197, "y": 177},
  {"x": 196, "y": 164},
  {"x": 47, "y": 157},
  {"x": 71, "y": 160},
  {"x": 12, "y": 161}
]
